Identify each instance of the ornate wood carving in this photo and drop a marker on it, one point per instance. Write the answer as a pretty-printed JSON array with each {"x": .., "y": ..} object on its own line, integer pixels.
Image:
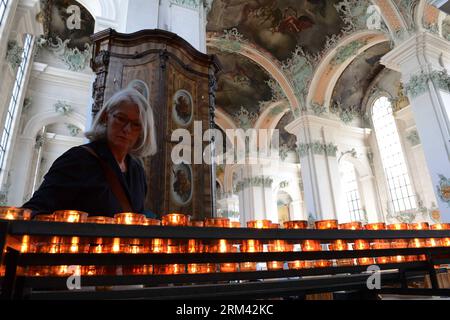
[{"x": 182, "y": 89}]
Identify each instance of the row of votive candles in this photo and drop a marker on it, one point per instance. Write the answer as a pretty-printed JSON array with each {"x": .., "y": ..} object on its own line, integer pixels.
[{"x": 58, "y": 244}]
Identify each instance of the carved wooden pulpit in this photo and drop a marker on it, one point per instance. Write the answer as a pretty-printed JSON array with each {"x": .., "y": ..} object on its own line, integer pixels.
[{"x": 181, "y": 82}]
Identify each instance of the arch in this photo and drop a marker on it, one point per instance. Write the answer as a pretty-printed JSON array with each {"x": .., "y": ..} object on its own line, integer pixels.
[
  {"x": 419, "y": 14},
  {"x": 284, "y": 195},
  {"x": 228, "y": 176},
  {"x": 223, "y": 120},
  {"x": 45, "y": 118},
  {"x": 220, "y": 183},
  {"x": 374, "y": 97},
  {"x": 269, "y": 64},
  {"x": 326, "y": 77},
  {"x": 370, "y": 97},
  {"x": 362, "y": 168},
  {"x": 427, "y": 15},
  {"x": 106, "y": 9},
  {"x": 391, "y": 15},
  {"x": 268, "y": 121},
  {"x": 93, "y": 6}
]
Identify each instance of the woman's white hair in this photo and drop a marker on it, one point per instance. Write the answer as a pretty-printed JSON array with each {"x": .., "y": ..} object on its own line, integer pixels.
[{"x": 146, "y": 144}]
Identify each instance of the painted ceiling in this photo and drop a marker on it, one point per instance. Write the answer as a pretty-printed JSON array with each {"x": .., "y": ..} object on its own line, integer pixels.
[
  {"x": 287, "y": 139},
  {"x": 242, "y": 83},
  {"x": 55, "y": 23},
  {"x": 278, "y": 26},
  {"x": 354, "y": 82}
]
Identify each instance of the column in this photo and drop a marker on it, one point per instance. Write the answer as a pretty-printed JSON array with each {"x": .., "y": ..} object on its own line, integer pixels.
[
  {"x": 369, "y": 195},
  {"x": 21, "y": 170},
  {"x": 423, "y": 61},
  {"x": 228, "y": 205},
  {"x": 296, "y": 210},
  {"x": 319, "y": 166},
  {"x": 256, "y": 197}
]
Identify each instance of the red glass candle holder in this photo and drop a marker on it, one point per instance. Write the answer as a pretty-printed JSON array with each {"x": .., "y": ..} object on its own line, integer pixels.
[
  {"x": 251, "y": 245},
  {"x": 312, "y": 245},
  {"x": 326, "y": 224},
  {"x": 169, "y": 269},
  {"x": 14, "y": 213},
  {"x": 73, "y": 244},
  {"x": 296, "y": 224},
  {"x": 259, "y": 224},
  {"x": 297, "y": 264},
  {"x": 70, "y": 216},
  {"x": 100, "y": 245},
  {"x": 157, "y": 246},
  {"x": 235, "y": 224},
  {"x": 378, "y": 243},
  {"x": 196, "y": 223},
  {"x": 359, "y": 244},
  {"x": 398, "y": 243},
  {"x": 175, "y": 220},
  {"x": 277, "y": 246},
  {"x": 152, "y": 222},
  {"x": 363, "y": 245},
  {"x": 128, "y": 245},
  {"x": 22, "y": 243},
  {"x": 217, "y": 222},
  {"x": 221, "y": 245},
  {"x": 130, "y": 218},
  {"x": 445, "y": 242},
  {"x": 148, "y": 243},
  {"x": 418, "y": 242},
  {"x": 382, "y": 244},
  {"x": 341, "y": 245}
]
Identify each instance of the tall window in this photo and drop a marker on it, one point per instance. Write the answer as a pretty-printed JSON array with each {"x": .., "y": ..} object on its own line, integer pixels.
[
  {"x": 392, "y": 157},
  {"x": 12, "y": 109},
  {"x": 351, "y": 191},
  {"x": 3, "y": 4}
]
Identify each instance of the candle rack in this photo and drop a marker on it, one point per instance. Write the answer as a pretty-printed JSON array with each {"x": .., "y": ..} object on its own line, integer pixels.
[{"x": 19, "y": 283}]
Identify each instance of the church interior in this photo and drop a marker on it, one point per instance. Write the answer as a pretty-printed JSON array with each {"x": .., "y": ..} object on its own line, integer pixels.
[{"x": 358, "y": 91}]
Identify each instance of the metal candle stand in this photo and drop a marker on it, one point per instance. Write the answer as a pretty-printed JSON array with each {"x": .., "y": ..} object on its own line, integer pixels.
[{"x": 216, "y": 285}]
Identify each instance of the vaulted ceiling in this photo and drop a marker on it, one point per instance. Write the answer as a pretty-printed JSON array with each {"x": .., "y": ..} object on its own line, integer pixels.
[{"x": 278, "y": 26}]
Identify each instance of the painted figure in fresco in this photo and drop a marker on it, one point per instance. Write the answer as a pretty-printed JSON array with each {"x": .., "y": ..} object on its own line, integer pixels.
[
  {"x": 291, "y": 22},
  {"x": 182, "y": 184},
  {"x": 183, "y": 108},
  {"x": 278, "y": 26},
  {"x": 58, "y": 25}
]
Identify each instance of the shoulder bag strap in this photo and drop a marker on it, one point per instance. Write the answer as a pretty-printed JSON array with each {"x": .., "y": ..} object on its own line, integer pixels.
[{"x": 113, "y": 181}]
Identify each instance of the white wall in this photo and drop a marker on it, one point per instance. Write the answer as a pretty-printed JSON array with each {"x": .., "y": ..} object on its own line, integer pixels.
[{"x": 47, "y": 86}]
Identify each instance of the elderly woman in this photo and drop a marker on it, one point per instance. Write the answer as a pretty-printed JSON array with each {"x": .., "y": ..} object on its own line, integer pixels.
[{"x": 103, "y": 177}]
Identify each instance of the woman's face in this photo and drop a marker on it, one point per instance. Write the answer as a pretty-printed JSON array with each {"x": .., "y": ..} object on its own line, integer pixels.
[{"x": 124, "y": 127}]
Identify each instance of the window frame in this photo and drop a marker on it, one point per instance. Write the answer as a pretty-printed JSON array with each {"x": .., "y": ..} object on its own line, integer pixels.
[
  {"x": 354, "y": 213},
  {"x": 391, "y": 183},
  {"x": 3, "y": 9},
  {"x": 12, "y": 112}
]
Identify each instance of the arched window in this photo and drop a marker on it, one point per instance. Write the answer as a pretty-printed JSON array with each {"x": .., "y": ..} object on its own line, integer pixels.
[
  {"x": 351, "y": 191},
  {"x": 3, "y": 4},
  {"x": 392, "y": 157},
  {"x": 11, "y": 115}
]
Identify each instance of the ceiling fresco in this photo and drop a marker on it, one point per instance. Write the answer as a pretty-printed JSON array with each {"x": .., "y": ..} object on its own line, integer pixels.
[
  {"x": 354, "y": 82},
  {"x": 278, "y": 26},
  {"x": 242, "y": 83},
  {"x": 58, "y": 17},
  {"x": 287, "y": 139}
]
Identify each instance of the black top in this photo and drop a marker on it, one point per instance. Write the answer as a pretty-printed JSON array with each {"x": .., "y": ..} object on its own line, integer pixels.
[{"x": 76, "y": 181}]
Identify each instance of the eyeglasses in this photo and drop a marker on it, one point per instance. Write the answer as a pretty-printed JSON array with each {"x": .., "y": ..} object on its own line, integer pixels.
[{"x": 124, "y": 121}]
